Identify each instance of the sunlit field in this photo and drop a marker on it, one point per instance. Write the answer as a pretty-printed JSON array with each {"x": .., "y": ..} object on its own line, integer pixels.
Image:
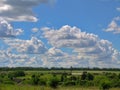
[{"x": 59, "y": 79}]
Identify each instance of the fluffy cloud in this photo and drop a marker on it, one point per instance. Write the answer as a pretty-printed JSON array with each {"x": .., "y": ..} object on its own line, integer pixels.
[
  {"x": 6, "y": 30},
  {"x": 113, "y": 26},
  {"x": 11, "y": 59},
  {"x": 69, "y": 46},
  {"x": 33, "y": 46},
  {"x": 70, "y": 37},
  {"x": 35, "y": 30},
  {"x": 19, "y": 10},
  {"x": 86, "y": 49},
  {"x": 8, "y": 58},
  {"x": 55, "y": 52}
]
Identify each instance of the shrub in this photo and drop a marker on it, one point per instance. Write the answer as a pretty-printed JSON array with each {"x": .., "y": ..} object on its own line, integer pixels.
[
  {"x": 42, "y": 81},
  {"x": 53, "y": 82},
  {"x": 11, "y": 75},
  {"x": 115, "y": 83},
  {"x": 119, "y": 75},
  {"x": 19, "y": 73},
  {"x": 104, "y": 85},
  {"x": 27, "y": 81},
  {"x": 84, "y": 75},
  {"x": 63, "y": 77},
  {"x": 100, "y": 78},
  {"x": 73, "y": 78},
  {"x": 82, "y": 82},
  {"x": 89, "y": 76},
  {"x": 34, "y": 79}
]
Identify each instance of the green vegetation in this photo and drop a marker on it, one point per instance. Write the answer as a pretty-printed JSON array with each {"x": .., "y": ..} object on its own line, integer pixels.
[{"x": 65, "y": 79}]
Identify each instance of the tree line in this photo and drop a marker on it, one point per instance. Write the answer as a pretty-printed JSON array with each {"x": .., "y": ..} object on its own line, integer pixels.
[{"x": 56, "y": 68}]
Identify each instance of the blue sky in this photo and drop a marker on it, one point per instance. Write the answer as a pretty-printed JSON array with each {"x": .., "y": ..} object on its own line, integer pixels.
[{"x": 60, "y": 33}]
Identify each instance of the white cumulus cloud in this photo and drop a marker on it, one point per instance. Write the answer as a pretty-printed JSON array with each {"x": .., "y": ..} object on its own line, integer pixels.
[
  {"x": 114, "y": 26},
  {"x": 86, "y": 49},
  {"x": 6, "y": 30},
  {"x": 68, "y": 46},
  {"x": 19, "y": 10},
  {"x": 32, "y": 46}
]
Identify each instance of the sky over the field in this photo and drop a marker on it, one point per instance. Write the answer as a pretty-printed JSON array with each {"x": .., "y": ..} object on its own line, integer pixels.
[{"x": 60, "y": 33}]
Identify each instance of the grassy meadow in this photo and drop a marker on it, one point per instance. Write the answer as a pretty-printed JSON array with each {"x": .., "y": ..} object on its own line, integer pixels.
[
  {"x": 59, "y": 80},
  {"x": 31, "y": 87}
]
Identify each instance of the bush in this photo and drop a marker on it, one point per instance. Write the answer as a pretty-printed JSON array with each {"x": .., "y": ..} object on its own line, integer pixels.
[
  {"x": 89, "y": 76},
  {"x": 63, "y": 77},
  {"x": 27, "y": 81},
  {"x": 11, "y": 75},
  {"x": 34, "y": 79},
  {"x": 53, "y": 82},
  {"x": 73, "y": 78},
  {"x": 84, "y": 76},
  {"x": 42, "y": 81},
  {"x": 19, "y": 73},
  {"x": 115, "y": 83},
  {"x": 104, "y": 85},
  {"x": 100, "y": 78},
  {"x": 119, "y": 75},
  {"x": 82, "y": 82}
]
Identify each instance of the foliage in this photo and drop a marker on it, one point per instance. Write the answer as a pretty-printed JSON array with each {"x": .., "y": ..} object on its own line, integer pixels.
[
  {"x": 100, "y": 78},
  {"x": 55, "y": 79},
  {"x": 105, "y": 85},
  {"x": 34, "y": 79},
  {"x": 87, "y": 76},
  {"x": 53, "y": 82},
  {"x": 42, "y": 82},
  {"x": 14, "y": 74},
  {"x": 119, "y": 75}
]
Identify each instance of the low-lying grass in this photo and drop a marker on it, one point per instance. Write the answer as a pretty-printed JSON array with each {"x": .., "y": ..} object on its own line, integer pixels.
[{"x": 32, "y": 87}]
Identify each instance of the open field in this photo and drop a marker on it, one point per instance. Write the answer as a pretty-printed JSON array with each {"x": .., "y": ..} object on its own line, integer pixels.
[
  {"x": 73, "y": 71},
  {"x": 59, "y": 80},
  {"x": 30, "y": 87}
]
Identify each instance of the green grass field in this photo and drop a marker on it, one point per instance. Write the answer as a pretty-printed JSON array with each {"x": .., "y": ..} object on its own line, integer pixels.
[
  {"x": 74, "y": 71},
  {"x": 46, "y": 75},
  {"x": 30, "y": 87}
]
